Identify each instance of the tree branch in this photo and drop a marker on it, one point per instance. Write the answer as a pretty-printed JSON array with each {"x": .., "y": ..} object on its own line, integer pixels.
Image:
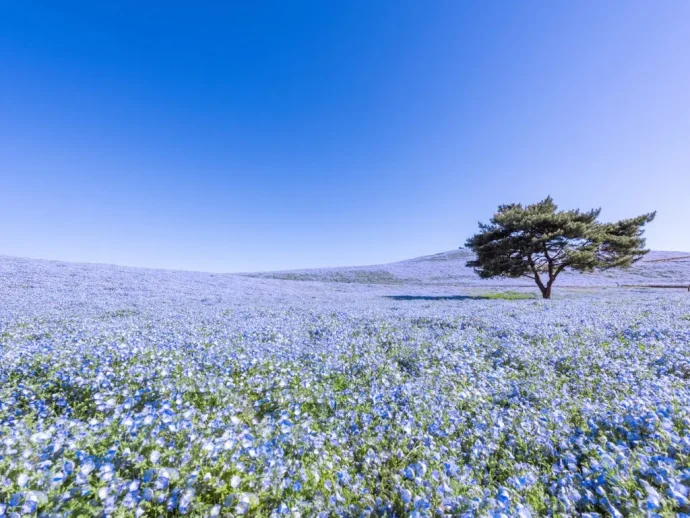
[
  {"x": 537, "y": 278},
  {"x": 550, "y": 261}
]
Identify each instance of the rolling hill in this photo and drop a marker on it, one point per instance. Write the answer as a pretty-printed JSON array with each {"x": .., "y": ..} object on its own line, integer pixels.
[{"x": 448, "y": 268}]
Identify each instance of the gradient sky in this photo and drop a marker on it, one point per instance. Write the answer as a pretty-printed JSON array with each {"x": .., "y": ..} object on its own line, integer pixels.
[{"x": 272, "y": 135}]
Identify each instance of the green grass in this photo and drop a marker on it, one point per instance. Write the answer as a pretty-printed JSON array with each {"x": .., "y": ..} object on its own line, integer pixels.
[{"x": 508, "y": 295}]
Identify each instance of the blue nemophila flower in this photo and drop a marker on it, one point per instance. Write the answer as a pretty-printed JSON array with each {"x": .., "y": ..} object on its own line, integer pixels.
[
  {"x": 29, "y": 507},
  {"x": 409, "y": 472}
]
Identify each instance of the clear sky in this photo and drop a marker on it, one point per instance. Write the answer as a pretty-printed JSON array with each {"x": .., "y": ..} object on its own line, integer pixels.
[{"x": 268, "y": 135}]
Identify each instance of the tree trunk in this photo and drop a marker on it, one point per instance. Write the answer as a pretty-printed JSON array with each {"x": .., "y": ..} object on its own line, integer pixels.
[{"x": 546, "y": 292}]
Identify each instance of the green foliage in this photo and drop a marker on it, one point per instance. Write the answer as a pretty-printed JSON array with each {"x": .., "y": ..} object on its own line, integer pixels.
[
  {"x": 537, "y": 498},
  {"x": 508, "y": 295},
  {"x": 535, "y": 240}
]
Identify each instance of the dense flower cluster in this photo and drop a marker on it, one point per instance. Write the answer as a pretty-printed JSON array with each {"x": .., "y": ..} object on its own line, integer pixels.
[{"x": 140, "y": 393}]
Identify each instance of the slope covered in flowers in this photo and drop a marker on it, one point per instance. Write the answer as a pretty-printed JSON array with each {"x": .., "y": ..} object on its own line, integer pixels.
[
  {"x": 448, "y": 268},
  {"x": 131, "y": 392}
]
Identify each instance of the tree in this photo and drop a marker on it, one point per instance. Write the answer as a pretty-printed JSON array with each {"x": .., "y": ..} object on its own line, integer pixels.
[{"x": 539, "y": 240}]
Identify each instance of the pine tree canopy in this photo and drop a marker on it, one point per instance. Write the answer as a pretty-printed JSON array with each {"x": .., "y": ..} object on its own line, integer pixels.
[{"x": 539, "y": 242}]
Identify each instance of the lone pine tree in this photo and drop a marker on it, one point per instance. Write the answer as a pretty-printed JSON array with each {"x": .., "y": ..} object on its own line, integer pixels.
[{"x": 539, "y": 242}]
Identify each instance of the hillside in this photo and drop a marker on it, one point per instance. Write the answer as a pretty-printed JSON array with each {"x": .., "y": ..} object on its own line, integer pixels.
[
  {"x": 448, "y": 268},
  {"x": 119, "y": 386}
]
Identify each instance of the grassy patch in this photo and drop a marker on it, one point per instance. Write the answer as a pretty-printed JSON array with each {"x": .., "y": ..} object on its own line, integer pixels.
[{"x": 508, "y": 295}]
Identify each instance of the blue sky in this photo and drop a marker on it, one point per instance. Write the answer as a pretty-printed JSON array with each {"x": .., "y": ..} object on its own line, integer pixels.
[{"x": 270, "y": 135}]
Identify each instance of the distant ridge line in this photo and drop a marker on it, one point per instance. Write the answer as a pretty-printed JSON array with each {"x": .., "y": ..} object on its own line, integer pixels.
[
  {"x": 668, "y": 259},
  {"x": 677, "y": 286}
]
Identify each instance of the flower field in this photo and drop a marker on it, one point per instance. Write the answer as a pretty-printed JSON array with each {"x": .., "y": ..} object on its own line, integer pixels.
[{"x": 131, "y": 392}]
